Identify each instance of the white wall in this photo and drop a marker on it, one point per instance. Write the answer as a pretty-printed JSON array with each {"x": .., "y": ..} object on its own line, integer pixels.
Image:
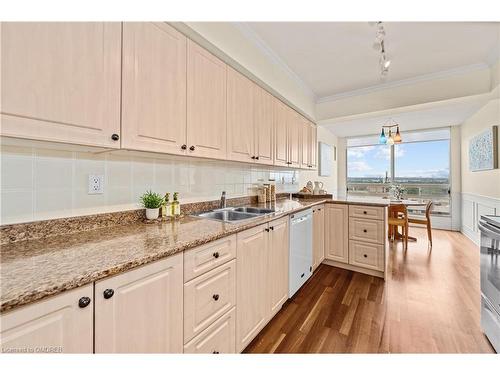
[
  {"x": 39, "y": 183},
  {"x": 232, "y": 41},
  {"x": 330, "y": 182}
]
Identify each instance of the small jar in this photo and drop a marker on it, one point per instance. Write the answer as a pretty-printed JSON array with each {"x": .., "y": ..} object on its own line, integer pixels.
[{"x": 262, "y": 195}]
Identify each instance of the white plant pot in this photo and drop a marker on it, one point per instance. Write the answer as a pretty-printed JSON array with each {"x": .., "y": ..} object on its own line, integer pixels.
[{"x": 152, "y": 213}]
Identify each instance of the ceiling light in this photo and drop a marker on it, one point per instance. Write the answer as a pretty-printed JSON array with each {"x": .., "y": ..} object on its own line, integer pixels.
[
  {"x": 379, "y": 45},
  {"x": 391, "y": 138}
]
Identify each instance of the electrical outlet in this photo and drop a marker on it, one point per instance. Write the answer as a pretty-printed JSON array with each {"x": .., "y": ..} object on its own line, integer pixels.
[{"x": 96, "y": 184}]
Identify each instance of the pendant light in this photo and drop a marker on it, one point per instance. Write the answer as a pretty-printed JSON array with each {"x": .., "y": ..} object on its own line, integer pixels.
[
  {"x": 383, "y": 139},
  {"x": 397, "y": 137},
  {"x": 390, "y": 138}
]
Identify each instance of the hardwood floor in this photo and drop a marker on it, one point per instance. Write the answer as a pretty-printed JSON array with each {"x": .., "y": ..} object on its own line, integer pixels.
[{"x": 430, "y": 303}]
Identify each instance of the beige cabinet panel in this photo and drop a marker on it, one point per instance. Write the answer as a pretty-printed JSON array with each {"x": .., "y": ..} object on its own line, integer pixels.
[
  {"x": 145, "y": 312},
  {"x": 206, "y": 257},
  {"x": 153, "y": 88},
  {"x": 367, "y": 212},
  {"x": 305, "y": 147},
  {"x": 366, "y": 255},
  {"x": 318, "y": 235},
  {"x": 313, "y": 144},
  {"x": 277, "y": 264},
  {"x": 206, "y": 103},
  {"x": 208, "y": 297},
  {"x": 55, "y": 325},
  {"x": 281, "y": 119},
  {"x": 366, "y": 230},
  {"x": 336, "y": 232},
  {"x": 264, "y": 126},
  {"x": 61, "y": 81},
  {"x": 294, "y": 138},
  {"x": 240, "y": 117},
  {"x": 219, "y": 338},
  {"x": 251, "y": 284}
]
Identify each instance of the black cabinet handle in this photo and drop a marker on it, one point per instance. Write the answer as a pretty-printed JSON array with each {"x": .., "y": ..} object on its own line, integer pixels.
[
  {"x": 302, "y": 275},
  {"x": 191, "y": 148},
  {"x": 364, "y": 212},
  {"x": 364, "y": 230},
  {"x": 256, "y": 158},
  {"x": 266, "y": 229},
  {"x": 215, "y": 297},
  {"x": 366, "y": 256},
  {"x": 108, "y": 293},
  {"x": 215, "y": 352},
  {"x": 183, "y": 147},
  {"x": 216, "y": 254},
  {"x": 253, "y": 157},
  {"x": 115, "y": 137},
  {"x": 272, "y": 228},
  {"x": 84, "y": 302}
]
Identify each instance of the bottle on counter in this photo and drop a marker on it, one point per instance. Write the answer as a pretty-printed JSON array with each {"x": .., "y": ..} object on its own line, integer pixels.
[
  {"x": 176, "y": 206},
  {"x": 168, "y": 208}
]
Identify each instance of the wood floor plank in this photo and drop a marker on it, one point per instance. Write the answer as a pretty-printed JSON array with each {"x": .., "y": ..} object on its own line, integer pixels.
[{"x": 429, "y": 303}]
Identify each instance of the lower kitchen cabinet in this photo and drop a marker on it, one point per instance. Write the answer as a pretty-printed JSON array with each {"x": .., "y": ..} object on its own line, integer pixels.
[
  {"x": 277, "y": 264},
  {"x": 59, "y": 324},
  {"x": 219, "y": 338},
  {"x": 318, "y": 235},
  {"x": 336, "y": 232},
  {"x": 141, "y": 311},
  {"x": 251, "y": 284}
]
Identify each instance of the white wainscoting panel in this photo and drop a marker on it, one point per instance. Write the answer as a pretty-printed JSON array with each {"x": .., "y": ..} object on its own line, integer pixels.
[{"x": 473, "y": 206}]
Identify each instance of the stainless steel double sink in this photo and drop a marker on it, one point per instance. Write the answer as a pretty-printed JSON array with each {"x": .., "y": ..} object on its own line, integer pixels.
[{"x": 232, "y": 214}]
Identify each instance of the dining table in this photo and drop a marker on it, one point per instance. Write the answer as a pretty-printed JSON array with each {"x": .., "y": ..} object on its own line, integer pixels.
[{"x": 407, "y": 203}]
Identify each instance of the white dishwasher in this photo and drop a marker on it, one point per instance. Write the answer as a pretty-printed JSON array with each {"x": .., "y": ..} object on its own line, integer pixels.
[{"x": 300, "y": 266}]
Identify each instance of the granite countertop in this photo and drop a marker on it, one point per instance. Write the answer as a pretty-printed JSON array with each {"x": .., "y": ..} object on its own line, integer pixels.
[{"x": 35, "y": 269}]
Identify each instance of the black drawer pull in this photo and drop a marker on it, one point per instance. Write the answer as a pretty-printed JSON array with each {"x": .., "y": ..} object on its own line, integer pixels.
[
  {"x": 302, "y": 275},
  {"x": 115, "y": 137},
  {"x": 364, "y": 230},
  {"x": 215, "y": 352},
  {"x": 366, "y": 256},
  {"x": 183, "y": 147},
  {"x": 108, "y": 293},
  {"x": 216, "y": 254},
  {"x": 215, "y": 297},
  {"x": 84, "y": 302},
  {"x": 191, "y": 148},
  {"x": 272, "y": 228},
  {"x": 364, "y": 212}
]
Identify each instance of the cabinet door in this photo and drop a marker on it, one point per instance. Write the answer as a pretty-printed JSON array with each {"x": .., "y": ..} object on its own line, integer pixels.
[
  {"x": 313, "y": 146},
  {"x": 305, "y": 146},
  {"x": 336, "y": 232},
  {"x": 264, "y": 126},
  {"x": 154, "y": 87},
  {"x": 281, "y": 120},
  {"x": 206, "y": 103},
  {"x": 55, "y": 325},
  {"x": 318, "y": 236},
  {"x": 278, "y": 264},
  {"x": 145, "y": 313},
  {"x": 240, "y": 117},
  {"x": 294, "y": 138},
  {"x": 251, "y": 284},
  {"x": 61, "y": 81}
]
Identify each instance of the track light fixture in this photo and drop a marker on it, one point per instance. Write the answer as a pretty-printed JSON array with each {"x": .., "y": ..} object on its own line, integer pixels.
[{"x": 379, "y": 46}]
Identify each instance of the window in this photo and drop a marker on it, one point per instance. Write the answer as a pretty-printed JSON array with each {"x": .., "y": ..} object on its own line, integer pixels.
[{"x": 421, "y": 163}]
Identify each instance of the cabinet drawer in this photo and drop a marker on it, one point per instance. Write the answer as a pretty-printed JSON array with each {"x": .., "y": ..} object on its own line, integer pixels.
[
  {"x": 220, "y": 337},
  {"x": 208, "y": 297},
  {"x": 367, "y": 212},
  {"x": 204, "y": 258},
  {"x": 366, "y": 230},
  {"x": 367, "y": 255}
]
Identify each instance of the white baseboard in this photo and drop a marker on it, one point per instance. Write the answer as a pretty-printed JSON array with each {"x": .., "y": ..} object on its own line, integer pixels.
[{"x": 473, "y": 206}]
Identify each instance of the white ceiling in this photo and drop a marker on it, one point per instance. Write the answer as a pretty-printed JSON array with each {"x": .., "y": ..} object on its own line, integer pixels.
[{"x": 337, "y": 57}]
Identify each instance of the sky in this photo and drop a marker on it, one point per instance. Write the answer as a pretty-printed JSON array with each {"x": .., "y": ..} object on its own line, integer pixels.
[{"x": 419, "y": 159}]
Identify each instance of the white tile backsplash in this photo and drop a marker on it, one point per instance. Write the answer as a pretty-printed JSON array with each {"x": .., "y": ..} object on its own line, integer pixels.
[{"x": 40, "y": 183}]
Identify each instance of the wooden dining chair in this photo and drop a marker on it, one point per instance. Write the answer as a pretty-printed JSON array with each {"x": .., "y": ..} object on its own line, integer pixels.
[
  {"x": 426, "y": 221},
  {"x": 398, "y": 217}
]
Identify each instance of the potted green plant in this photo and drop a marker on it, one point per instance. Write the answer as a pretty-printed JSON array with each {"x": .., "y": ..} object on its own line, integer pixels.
[{"x": 152, "y": 203}]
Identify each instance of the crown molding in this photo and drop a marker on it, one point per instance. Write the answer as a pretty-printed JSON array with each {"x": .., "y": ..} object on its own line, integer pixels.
[
  {"x": 253, "y": 37},
  {"x": 404, "y": 82}
]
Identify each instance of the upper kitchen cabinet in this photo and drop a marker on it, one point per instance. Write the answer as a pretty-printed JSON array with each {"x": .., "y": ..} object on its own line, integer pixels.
[
  {"x": 294, "y": 138},
  {"x": 240, "y": 117},
  {"x": 154, "y": 88},
  {"x": 313, "y": 144},
  {"x": 61, "y": 82},
  {"x": 264, "y": 126},
  {"x": 281, "y": 119},
  {"x": 309, "y": 144},
  {"x": 206, "y": 103}
]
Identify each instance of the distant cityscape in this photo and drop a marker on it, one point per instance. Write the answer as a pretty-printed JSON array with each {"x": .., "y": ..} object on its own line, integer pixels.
[{"x": 399, "y": 180}]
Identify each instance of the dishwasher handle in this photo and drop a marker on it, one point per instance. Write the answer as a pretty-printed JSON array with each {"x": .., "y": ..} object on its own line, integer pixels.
[{"x": 300, "y": 219}]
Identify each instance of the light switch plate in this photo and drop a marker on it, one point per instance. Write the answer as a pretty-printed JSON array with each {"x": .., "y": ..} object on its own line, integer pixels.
[{"x": 96, "y": 184}]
